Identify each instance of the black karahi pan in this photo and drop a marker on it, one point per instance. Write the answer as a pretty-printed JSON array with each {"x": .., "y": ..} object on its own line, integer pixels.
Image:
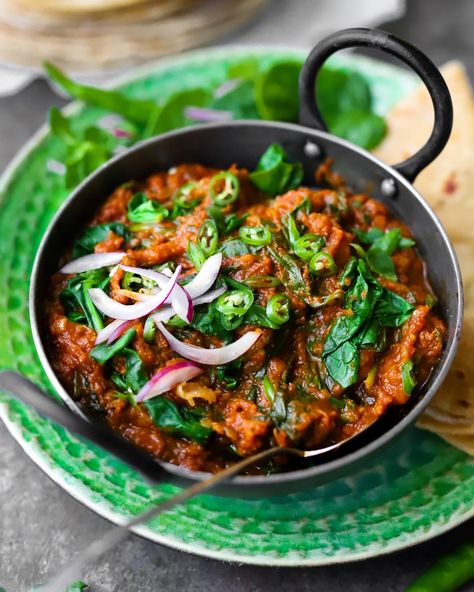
[{"x": 242, "y": 142}]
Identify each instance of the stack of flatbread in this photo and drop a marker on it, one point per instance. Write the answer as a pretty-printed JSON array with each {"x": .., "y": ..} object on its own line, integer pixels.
[
  {"x": 98, "y": 35},
  {"x": 448, "y": 185}
]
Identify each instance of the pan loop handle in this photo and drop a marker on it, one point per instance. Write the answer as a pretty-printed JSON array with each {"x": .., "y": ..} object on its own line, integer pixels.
[{"x": 443, "y": 109}]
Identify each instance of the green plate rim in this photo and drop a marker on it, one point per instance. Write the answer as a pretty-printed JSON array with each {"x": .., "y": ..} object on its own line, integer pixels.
[{"x": 79, "y": 491}]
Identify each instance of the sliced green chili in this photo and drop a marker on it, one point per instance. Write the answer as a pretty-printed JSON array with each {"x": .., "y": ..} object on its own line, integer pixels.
[
  {"x": 235, "y": 302},
  {"x": 255, "y": 235},
  {"x": 309, "y": 244},
  {"x": 208, "y": 237},
  {"x": 278, "y": 309},
  {"x": 224, "y": 188},
  {"x": 262, "y": 281},
  {"x": 448, "y": 573},
  {"x": 408, "y": 380},
  {"x": 322, "y": 264}
]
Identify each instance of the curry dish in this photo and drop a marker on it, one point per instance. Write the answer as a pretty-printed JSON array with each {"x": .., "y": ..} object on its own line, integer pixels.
[{"x": 207, "y": 315}]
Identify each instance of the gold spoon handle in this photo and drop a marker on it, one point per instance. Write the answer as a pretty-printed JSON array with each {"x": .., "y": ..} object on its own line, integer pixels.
[{"x": 116, "y": 535}]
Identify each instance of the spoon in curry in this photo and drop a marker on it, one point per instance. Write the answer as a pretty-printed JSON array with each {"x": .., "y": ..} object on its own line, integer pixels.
[{"x": 28, "y": 393}]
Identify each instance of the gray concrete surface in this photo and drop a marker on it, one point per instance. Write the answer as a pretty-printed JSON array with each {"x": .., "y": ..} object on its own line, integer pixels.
[{"x": 41, "y": 527}]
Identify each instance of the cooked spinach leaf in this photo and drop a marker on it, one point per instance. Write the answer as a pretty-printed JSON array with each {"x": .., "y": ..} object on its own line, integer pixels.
[
  {"x": 257, "y": 315},
  {"x": 225, "y": 223},
  {"x": 382, "y": 246},
  {"x": 208, "y": 320},
  {"x": 370, "y": 308},
  {"x": 143, "y": 209},
  {"x": 135, "y": 373},
  {"x": 236, "y": 247},
  {"x": 103, "y": 352},
  {"x": 177, "y": 420},
  {"x": 96, "y": 234},
  {"x": 343, "y": 364},
  {"x": 292, "y": 271},
  {"x": 274, "y": 174},
  {"x": 75, "y": 298}
]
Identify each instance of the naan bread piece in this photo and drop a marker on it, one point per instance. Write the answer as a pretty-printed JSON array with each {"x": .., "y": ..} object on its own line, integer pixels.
[
  {"x": 447, "y": 183},
  {"x": 448, "y": 186}
]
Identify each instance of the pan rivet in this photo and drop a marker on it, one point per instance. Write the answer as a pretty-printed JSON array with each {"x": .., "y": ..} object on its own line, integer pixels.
[
  {"x": 312, "y": 150},
  {"x": 388, "y": 187}
]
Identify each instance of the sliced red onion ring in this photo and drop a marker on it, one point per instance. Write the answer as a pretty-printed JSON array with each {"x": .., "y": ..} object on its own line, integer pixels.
[
  {"x": 210, "y": 357},
  {"x": 93, "y": 261},
  {"x": 130, "y": 312},
  {"x": 165, "y": 313},
  {"x": 179, "y": 298},
  {"x": 112, "y": 331},
  {"x": 204, "y": 114},
  {"x": 206, "y": 276},
  {"x": 166, "y": 378},
  {"x": 209, "y": 296}
]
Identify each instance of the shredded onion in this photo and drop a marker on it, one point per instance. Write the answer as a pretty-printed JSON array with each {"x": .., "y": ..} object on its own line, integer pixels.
[
  {"x": 167, "y": 312},
  {"x": 167, "y": 378},
  {"x": 179, "y": 298},
  {"x": 204, "y": 114},
  {"x": 93, "y": 261},
  {"x": 130, "y": 312},
  {"x": 112, "y": 331},
  {"x": 210, "y": 357},
  {"x": 206, "y": 276}
]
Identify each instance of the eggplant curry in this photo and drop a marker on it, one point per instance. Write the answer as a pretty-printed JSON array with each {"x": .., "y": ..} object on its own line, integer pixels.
[{"x": 207, "y": 314}]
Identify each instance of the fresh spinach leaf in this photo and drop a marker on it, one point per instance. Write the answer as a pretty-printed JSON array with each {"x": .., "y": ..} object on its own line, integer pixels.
[
  {"x": 94, "y": 235},
  {"x": 86, "y": 149},
  {"x": 177, "y": 420},
  {"x": 276, "y": 91},
  {"x": 339, "y": 91},
  {"x": 143, "y": 209},
  {"x": 274, "y": 174},
  {"x": 103, "y": 352},
  {"x": 172, "y": 114},
  {"x": 137, "y": 110},
  {"x": 360, "y": 127},
  {"x": 240, "y": 100}
]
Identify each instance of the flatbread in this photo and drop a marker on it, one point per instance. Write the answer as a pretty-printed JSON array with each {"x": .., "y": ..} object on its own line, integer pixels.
[
  {"x": 448, "y": 186},
  {"x": 117, "y": 38}
]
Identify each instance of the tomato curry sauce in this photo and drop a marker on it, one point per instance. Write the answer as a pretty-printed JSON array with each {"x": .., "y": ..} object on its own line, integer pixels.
[{"x": 329, "y": 282}]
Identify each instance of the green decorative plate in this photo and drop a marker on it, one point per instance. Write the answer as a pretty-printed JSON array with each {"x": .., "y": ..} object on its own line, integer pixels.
[{"x": 421, "y": 488}]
